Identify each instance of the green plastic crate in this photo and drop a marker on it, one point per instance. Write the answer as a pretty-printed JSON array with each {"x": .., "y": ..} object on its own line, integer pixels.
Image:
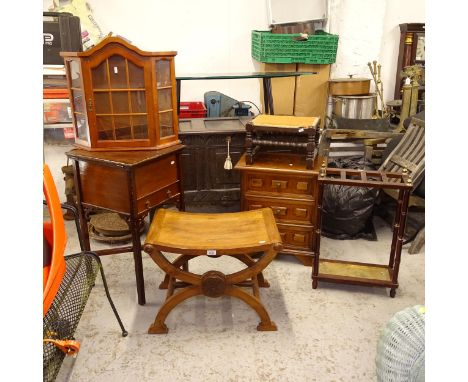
[{"x": 269, "y": 47}]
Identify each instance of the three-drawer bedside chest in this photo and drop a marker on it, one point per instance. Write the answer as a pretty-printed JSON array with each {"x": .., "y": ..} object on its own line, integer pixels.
[{"x": 282, "y": 182}]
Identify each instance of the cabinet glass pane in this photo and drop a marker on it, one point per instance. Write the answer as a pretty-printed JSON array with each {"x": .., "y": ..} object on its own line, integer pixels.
[
  {"x": 81, "y": 127},
  {"x": 165, "y": 121},
  {"x": 138, "y": 102},
  {"x": 164, "y": 99},
  {"x": 99, "y": 75},
  {"x": 140, "y": 126},
  {"x": 120, "y": 102},
  {"x": 135, "y": 76},
  {"x": 163, "y": 73},
  {"x": 102, "y": 103},
  {"x": 75, "y": 74},
  {"x": 105, "y": 128},
  {"x": 122, "y": 127},
  {"x": 117, "y": 72},
  {"x": 78, "y": 101}
]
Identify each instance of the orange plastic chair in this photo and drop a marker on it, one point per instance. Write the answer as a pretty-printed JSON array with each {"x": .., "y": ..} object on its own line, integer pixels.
[
  {"x": 67, "y": 283},
  {"x": 55, "y": 239}
]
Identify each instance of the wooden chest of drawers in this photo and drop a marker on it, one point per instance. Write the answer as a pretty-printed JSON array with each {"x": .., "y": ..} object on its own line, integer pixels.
[{"x": 282, "y": 182}]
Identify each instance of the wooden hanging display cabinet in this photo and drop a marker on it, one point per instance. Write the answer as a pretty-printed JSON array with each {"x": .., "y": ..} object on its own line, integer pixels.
[{"x": 122, "y": 98}]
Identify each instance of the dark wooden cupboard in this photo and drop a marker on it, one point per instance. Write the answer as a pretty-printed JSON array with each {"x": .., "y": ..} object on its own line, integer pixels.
[{"x": 205, "y": 182}]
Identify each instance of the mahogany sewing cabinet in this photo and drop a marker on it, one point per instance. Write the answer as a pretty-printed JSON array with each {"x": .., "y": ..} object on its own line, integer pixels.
[
  {"x": 131, "y": 183},
  {"x": 282, "y": 182}
]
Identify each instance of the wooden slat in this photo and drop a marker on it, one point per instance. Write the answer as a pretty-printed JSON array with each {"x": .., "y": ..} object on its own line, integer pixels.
[
  {"x": 404, "y": 163},
  {"x": 388, "y": 180}
]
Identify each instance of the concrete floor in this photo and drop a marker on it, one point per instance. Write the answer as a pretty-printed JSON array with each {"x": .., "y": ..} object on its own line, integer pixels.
[{"x": 327, "y": 334}]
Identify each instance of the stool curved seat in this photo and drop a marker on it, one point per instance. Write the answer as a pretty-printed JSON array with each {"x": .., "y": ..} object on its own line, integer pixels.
[
  {"x": 237, "y": 234},
  {"x": 196, "y": 233}
]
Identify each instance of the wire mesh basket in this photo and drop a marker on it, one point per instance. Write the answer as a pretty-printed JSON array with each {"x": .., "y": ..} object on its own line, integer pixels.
[
  {"x": 63, "y": 316},
  {"x": 401, "y": 347}
]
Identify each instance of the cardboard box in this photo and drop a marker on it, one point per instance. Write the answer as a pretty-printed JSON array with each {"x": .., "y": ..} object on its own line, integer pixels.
[{"x": 304, "y": 96}]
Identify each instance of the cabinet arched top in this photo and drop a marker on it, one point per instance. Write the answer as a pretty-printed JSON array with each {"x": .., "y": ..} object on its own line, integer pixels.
[{"x": 118, "y": 43}]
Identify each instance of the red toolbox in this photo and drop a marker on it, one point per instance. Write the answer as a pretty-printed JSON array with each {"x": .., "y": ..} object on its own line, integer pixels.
[{"x": 192, "y": 110}]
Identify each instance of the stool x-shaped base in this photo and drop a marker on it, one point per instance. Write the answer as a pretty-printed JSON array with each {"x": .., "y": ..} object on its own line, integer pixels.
[{"x": 235, "y": 234}]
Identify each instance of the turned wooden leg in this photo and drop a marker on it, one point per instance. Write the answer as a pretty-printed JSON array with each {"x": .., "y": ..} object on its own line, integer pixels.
[
  {"x": 158, "y": 326},
  {"x": 265, "y": 322},
  {"x": 310, "y": 149},
  {"x": 248, "y": 145}
]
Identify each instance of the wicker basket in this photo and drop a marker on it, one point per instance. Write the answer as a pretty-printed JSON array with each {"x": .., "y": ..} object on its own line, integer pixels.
[{"x": 401, "y": 347}]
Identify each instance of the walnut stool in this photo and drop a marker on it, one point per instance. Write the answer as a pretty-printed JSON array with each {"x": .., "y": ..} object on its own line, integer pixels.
[
  {"x": 282, "y": 131},
  {"x": 238, "y": 235}
]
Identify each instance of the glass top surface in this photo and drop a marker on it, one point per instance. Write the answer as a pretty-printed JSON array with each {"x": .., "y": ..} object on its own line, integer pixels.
[{"x": 222, "y": 76}]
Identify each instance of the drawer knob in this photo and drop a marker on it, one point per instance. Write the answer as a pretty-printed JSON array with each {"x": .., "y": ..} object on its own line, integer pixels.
[
  {"x": 147, "y": 204},
  {"x": 168, "y": 193},
  {"x": 279, "y": 184}
]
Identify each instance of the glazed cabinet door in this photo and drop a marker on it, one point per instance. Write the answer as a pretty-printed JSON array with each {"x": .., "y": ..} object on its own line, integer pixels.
[
  {"x": 77, "y": 101},
  {"x": 166, "y": 104},
  {"x": 119, "y": 101}
]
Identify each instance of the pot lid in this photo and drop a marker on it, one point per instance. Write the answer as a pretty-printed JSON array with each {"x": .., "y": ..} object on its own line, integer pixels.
[{"x": 365, "y": 96}]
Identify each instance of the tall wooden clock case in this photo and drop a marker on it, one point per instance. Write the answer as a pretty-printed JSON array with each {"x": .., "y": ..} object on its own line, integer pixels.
[{"x": 122, "y": 98}]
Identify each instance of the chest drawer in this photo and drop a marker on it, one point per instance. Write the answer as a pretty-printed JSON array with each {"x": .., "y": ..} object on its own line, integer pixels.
[
  {"x": 156, "y": 175},
  {"x": 155, "y": 198},
  {"x": 279, "y": 184},
  {"x": 284, "y": 210},
  {"x": 295, "y": 236}
]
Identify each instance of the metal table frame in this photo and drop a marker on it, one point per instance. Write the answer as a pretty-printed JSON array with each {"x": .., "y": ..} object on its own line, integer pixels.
[{"x": 265, "y": 76}]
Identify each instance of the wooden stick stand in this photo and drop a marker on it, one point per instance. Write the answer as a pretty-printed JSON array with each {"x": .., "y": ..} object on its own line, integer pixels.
[{"x": 347, "y": 272}]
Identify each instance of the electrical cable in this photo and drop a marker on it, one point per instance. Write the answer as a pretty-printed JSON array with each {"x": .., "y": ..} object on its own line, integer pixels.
[{"x": 252, "y": 104}]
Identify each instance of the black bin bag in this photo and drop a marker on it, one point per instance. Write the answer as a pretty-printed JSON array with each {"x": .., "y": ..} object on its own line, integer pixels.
[{"x": 347, "y": 211}]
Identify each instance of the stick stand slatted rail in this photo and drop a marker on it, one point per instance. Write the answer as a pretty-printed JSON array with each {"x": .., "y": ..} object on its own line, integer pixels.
[{"x": 347, "y": 272}]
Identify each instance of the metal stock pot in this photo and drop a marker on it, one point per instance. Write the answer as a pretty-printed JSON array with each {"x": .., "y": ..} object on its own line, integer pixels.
[{"x": 356, "y": 107}]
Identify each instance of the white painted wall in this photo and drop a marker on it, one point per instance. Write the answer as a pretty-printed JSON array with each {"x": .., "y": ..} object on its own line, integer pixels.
[
  {"x": 359, "y": 26},
  {"x": 369, "y": 30},
  {"x": 214, "y": 36}
]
